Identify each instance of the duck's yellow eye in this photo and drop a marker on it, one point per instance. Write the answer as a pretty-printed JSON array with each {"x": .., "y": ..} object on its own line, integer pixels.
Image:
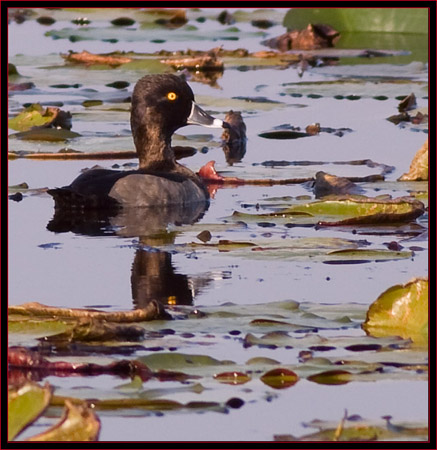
[{"x": 172, "y": 96}]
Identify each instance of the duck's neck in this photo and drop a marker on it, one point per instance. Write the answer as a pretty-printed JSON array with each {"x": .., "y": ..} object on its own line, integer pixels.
[{"x": 154, "y": 149}]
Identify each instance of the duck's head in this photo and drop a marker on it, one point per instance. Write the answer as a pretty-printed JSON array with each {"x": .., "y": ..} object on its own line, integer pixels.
[
  {"x": 160, "y": 105},
  {"x": 170, "y": 100}
]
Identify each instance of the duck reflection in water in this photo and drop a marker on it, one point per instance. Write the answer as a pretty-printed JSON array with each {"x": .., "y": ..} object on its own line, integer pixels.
[
  {"x": 143, "y": 202},
  {"x": 153, "y": 275}
]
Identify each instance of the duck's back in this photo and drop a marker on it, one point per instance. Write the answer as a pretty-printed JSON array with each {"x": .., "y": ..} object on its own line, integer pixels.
[{"x": 104, "y": 189}]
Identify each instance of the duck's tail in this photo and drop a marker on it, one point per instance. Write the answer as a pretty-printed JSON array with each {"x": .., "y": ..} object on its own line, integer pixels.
[{"x": 68, "y": 199}]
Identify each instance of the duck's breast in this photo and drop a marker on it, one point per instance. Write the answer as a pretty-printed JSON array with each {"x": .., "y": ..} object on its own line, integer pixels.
[{"x": 150, "y": 190}]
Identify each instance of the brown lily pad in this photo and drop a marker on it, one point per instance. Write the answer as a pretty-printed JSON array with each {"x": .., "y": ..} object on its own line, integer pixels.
[
  {"x": 314, "y": 36},
  {"x": 419, "y": 166},
  {"x": 207, "y": 62},
  {"x": 326, "y": 184},
  {"x": 178, "y": 19},
  {"x": 280, "y": 378},
  {"x": 90, "y": 58},
  {"x": 408, "y": 103},
  {"x": 153, "y": 310}
]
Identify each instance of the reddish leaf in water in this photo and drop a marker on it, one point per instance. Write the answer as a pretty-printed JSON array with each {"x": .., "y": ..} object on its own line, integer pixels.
[
  {"x": 280, "y": 378},
  {"x": 20, "y": 357},
  {"x": 232, "y": 377}
]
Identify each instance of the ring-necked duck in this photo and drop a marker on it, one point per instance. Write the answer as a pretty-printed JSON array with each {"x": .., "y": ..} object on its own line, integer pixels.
[{"x": 160, "y": 105}]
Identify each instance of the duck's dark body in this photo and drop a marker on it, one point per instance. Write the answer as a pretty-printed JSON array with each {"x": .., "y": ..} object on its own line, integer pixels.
[
  {"x": 160, "y": 105},
  {"x": 105, "y": 189}
]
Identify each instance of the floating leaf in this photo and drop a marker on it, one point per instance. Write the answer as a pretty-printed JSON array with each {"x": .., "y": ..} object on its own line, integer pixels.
[
  {"x": 280, "y": 378},
  {"x": 178, "y": 360},
  {"x": 153, "y": 310},
  {"x": 388, "y": 20},
  {"x": 46, "y": 134},
  {"x": 24, "y": 359},
  {"x": 401, "y": 310},
  {"x": 312, "y": 36},
  {"x": 124, "y": 403},
  {"x": 232, "y": 377},
  {"x": 362, "y": 255},
  {"x": 419, "y": 166},
  {"x": 90, "y": 58},
  {"x": 79, "y": 423},
  {"x": 36, "y": 116},
  {"x": 327, "y": 184},
  {"x": 25, "y": 405},
  {"x": 99, "y": 330},
  {"x": 354, "y": 428},
  {"x": 331, "y": 377},
  {"x": 359, "y": 210},
  {"x": 36, "y": 328}
]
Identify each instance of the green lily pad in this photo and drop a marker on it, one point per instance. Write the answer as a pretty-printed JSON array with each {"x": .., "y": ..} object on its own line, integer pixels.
[
  {"x": 32, "y": 116},
  {"x": 401, "y": 310},
  {"x": 331, "y": 377},
  {"x": 46, "y": 134},
  {"x": 79, "y": 423},
  {"x": 177, "y": 361},
  {"x": 388, "y": 20},
  {"x": 25, "y": 405},
  {"x": 358, "y": 210},
  {"x": 354, "y": 428}
]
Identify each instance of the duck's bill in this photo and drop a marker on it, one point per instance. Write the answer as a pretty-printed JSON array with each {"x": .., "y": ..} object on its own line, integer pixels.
[{"x": 199, "y": 117}]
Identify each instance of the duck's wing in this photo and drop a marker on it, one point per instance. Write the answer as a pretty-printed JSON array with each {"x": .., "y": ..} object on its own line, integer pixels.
[{"x": 144, "y": 190}]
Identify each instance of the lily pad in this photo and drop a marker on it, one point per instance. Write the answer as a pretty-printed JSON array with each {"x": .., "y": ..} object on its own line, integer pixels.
[
  {"x": 36, "y": 116},
  {"x": 79, "y": 423},
  {"x": 354, "y": 428},
  {"x": 153, "y": 310},
  {"x": 45, "y": 134},
  {"x": 331, "y": 377},
  {"x": 25, "y": 405},
  {"x": 419, "y": 166},
  {"x": 388, "y": 20},
  {"x": 401, "y": 310},
  {"x": 280, "y": 378}
]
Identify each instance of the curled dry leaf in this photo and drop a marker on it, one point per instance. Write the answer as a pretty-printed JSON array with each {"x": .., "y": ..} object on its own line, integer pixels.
[
  {"x": 91, "y": 58},
  {"x": 419, "y": 166},
  {"x": 408, "y": 103},
  {"x": 314, "y": 36},
  {"x": 153, "y": 310},
  {"x": 326, "y": 184},
  {"x": 207, "y": 62}
]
